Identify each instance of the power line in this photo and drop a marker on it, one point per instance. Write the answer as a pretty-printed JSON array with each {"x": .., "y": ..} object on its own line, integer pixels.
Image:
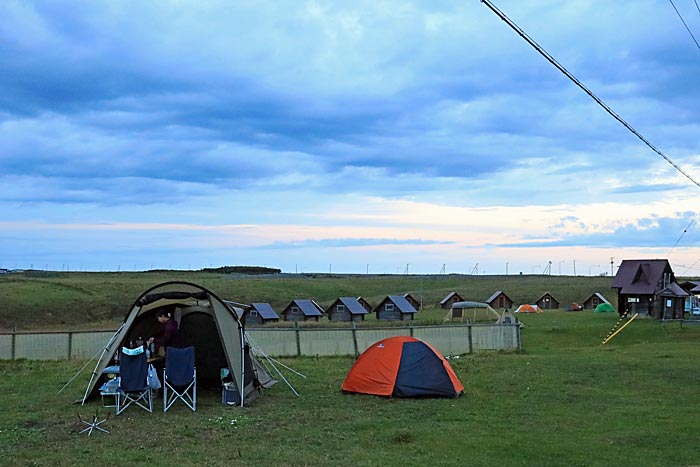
[
  {"x": 696, "y": 5},
  {"x": 685, "y": 24},
  {"x": 578, "y": 83},
  {"x": 679, "y": 238}
]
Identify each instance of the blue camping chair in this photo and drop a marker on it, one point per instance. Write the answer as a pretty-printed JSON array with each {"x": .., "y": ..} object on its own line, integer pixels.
[
  {"x": 179, "y": 378},
  {"x": 133, "y": 384}
]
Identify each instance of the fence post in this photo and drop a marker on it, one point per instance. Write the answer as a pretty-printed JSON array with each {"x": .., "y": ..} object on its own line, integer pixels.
[
  {"x": 296, "y": 331},
  {"x": 70, "y": 344},
  {"x": 14, "y": 342},
  {"x": 410, "y": 330},
  {"x": 517, "y": 336},
  {"x": 354, "y": 338},
  {"x": 469, "y": 334}
]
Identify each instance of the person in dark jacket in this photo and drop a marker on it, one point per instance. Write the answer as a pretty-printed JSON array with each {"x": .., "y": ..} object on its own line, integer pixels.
[{"x": 167, "y": 330}]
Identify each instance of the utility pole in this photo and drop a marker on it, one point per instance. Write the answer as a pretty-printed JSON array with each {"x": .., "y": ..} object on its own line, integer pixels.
[
  {"x": 612, "y": 262},
  {"x": 574, "y": 267},
  {"x": 506, "y": 268}
]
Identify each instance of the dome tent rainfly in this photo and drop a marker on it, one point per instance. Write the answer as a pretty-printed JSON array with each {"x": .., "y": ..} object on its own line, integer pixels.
[
  {"x": 402, "y": 366},
  {"x": 205, "y": 322},
  {"x": 525, "y": 308},
  {"x": 603, "y": 308}
]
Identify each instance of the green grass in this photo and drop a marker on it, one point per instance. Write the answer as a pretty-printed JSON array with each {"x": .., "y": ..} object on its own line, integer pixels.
[
  {"x": 37, "y": 300},
  {"x": 565, "y": 400}
]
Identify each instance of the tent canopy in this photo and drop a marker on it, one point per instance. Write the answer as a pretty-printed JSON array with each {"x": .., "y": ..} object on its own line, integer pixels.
[
  {"x": 471, "y": 311},
  {"x": 205, "y": 322},
  {"x": 525, "y": 308},
  {"x": 402, "y": 366},
  {"x": 603, "y": 308}
]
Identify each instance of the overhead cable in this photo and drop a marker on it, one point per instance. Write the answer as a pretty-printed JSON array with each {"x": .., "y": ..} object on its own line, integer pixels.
[
  {"x": 685, "y": 24},
  {"x": 578, "y": 83},
  {"x": 679, "y": 238}
]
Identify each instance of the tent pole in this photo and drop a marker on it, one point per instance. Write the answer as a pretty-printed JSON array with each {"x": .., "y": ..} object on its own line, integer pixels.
[
  {"x": 259, "y": 350},
  {"x": 241, "y": 331},
  {"x": 94, "y": 372},
  {"x": 282, "y": 376},
  {"x": 267, "y": 357},
  {"x": 79, "y": 371}
]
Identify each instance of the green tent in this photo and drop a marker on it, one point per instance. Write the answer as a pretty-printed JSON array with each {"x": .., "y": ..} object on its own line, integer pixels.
[{"x": 603, "y": 307}]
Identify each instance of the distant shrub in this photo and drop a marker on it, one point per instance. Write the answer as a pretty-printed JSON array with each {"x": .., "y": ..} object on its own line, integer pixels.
[{"x": 251, "y": 270}]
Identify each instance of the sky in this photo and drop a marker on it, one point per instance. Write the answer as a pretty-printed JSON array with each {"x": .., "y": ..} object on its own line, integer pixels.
[{"x": 379, "y": 137}]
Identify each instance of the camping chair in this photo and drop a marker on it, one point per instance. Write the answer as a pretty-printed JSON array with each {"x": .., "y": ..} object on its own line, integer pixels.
[
  {"x": 133, "y": 385},
  {"x": 179, "y": 378}
]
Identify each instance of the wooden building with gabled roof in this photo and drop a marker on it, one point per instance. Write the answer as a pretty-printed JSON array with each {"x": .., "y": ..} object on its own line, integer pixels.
[
  {"x": 499, "y": 299},
  {"x": 594, "y": 300},
  {"x": 450, "y": 299},
  {"x": 412, "y": 300},
  {"x": 547, "y": 302},
  {"x": 648, "y": 287},
  {"x": 260, "y": 313},
  {"x": 302, "y": 310},
  {"x": 394, "y": 308},
  {"x": 346, "y": 309}
]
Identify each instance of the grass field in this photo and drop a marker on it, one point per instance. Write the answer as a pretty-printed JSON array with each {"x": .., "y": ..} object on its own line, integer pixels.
[
  {"x": 564, "y": 401},
  {"x": 40, "y": 300}
]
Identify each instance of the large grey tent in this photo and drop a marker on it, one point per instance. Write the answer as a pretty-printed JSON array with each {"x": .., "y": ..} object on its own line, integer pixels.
[
  {"x": 205, "y": 322},
  {"x": 472, "y": 312}
]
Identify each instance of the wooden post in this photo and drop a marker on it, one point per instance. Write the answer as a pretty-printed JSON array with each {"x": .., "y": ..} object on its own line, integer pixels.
[
  {"x": 14, "y": 342},
  {"x": 469, "y": 333},
  {"x": 296, "y": 331},
  {"x": 70, "y": 344},
  {"x": 354, "y": 338}
]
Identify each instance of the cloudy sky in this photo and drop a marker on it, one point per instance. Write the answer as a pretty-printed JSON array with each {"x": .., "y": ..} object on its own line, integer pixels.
[{"x": 350, "y": 137}]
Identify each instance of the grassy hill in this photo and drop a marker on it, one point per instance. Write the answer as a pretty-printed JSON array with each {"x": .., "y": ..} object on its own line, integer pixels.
[{"x": 38, "y": 300}]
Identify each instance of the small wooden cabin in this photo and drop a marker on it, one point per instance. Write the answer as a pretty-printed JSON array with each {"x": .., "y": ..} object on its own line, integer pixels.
[
  {"x": 412, "y": 300},
  {"x": 499, "y": 299},
  {"x": 450, "y": 299},
  {"x": 594, "y": 300},
  {"x": 547, "y": 302},
  {"x": 365, "y": 304},
  {"x": 260, "y": 313},
  {"x": 302, "y": 310},
  {"x": 346, "y": 309},
  {"x": 394, "y": 308}
]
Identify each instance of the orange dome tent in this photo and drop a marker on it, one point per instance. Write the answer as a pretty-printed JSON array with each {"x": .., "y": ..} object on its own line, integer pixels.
[
  {"x": 528, "y": 309},
  {"x": 402, "y": 366}
]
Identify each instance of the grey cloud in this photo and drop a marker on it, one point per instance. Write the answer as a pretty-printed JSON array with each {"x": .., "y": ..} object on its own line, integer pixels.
[
  {"x": 648, "y": 232},
  {"x": 351, "y": 242}
]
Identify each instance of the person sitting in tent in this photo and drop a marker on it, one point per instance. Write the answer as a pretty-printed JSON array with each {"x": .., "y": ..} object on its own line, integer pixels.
[{"x": 167, "y": 330}]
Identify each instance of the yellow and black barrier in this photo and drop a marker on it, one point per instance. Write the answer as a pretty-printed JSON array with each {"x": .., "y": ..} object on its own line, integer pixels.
[{"x": 615, "y": 331}]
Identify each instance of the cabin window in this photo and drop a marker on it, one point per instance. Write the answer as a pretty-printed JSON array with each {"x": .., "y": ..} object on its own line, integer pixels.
[
  {"x": 389, "y": 307},
  {"x": 632, "y": 299},
  {"x": 295, "y": 310},
  {"x": 253, "y": 314},
  {"x": 340, "y": 308}
]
